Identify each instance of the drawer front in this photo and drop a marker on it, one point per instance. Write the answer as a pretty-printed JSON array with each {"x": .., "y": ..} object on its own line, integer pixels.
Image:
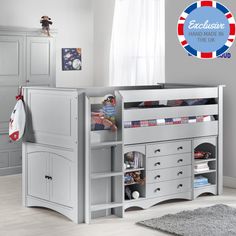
[
  {"x": 4, "y": 159},
  {"x": 6, "y": 143},
  {"x": 156, "y": 163},
  {"x": 15, "y": 158},
  {"x": 169, "y": 187},
  {"x": 162, "y": 149},
  {"x": 155, "y": 176}
]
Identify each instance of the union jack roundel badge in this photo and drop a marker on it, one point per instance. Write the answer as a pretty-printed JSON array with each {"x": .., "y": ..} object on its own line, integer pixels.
[{"x": 206, "y": 29}]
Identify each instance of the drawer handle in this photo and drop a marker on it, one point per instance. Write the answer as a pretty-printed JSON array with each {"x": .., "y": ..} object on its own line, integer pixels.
[
  {"x": 48, "y": 177},
  {"x": 180, "y": 173},
  {"x": 157, "y": 190},
  {"x": 180, "y": 186},
  {"x": 180, "y": 160},
  {"x": 157, "y": 164},
  {"x": 158, "y": 150},
  {"x": 180, "y": 148},
  {"x": 157, "y": 177},
  {"x": 10, "y": 141}
]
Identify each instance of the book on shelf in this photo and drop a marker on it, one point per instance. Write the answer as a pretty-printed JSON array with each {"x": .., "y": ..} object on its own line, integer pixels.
[{"x": 133, "y": 160}]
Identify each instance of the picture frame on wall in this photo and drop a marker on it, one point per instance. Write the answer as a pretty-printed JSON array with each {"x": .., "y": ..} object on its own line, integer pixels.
[{"x": 71, "y": 59}]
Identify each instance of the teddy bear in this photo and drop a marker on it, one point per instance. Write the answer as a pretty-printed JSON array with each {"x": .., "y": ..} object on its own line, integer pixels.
[{"x": 46, "y": 21}]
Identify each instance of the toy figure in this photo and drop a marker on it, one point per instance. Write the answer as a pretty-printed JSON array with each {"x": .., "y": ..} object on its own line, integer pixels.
[
  {"x": 201, "y": 155},
  {"x": 105, "y": 119},
  {"x": 109, "y": 107},
  {"x": 46, "y": 21}
]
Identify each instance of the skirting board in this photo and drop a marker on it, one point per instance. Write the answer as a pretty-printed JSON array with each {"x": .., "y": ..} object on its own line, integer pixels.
[{"x": 229, "y": 182}]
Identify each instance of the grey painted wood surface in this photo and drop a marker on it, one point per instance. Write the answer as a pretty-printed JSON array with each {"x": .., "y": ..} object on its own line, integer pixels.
[
  {"x": 25, "y": 57},
  {"x": 97, "y": 157}
]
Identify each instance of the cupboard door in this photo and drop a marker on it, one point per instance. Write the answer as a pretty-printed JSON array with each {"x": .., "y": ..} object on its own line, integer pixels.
[
  {"x": 7, "y": 103},
  {"x": 40, "y": 59},
  {"x": 11, "y": 60},
  {"x": 38, "y": 183},
  {"x": 60, "y": 187}
]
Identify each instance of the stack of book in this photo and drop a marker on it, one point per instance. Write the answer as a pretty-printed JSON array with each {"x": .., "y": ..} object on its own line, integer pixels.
[
  {"x": 200, "y": 181},
  {"x": 133, "y": 160},
  {"x": 201, "y": 167}
]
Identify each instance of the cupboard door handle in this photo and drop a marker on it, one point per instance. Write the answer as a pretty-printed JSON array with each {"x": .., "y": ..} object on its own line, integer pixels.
[
  {"x": 180, "y": 186},
  {"x": 46, "y": 177},
  {"x": 158, "y": 150},
  {"x": 180, "y": 173},
  {"x": 157, "y": 164},
  {"x": 50, "y": 177},
  {"x": 180, "y": 160},
  {"x": 180, "y": 148},
  {"x": 27, "y": 81},
  {"x": 157, "y": 177},
  {"x": 157, "y": 190}
]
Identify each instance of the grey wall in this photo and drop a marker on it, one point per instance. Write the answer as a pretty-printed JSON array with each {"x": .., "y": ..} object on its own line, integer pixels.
[
  {"x": 74, "y": 21},
  {"x": 184, "y": 69}
]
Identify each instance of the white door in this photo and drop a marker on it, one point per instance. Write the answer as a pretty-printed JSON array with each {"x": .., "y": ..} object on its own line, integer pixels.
[
  {"x": 40, "y": 61},
  {"x": 11, "y": 60},
  {"x": 38, "y": 182},
  {"x": 61, "y": 186}
]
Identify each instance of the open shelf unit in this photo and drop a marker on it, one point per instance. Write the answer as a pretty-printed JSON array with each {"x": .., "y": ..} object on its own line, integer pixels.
[
  {"x": 104, "y": 163},
  {"x": 205, "y": 181},
  {"x": 134, "y": 172}
]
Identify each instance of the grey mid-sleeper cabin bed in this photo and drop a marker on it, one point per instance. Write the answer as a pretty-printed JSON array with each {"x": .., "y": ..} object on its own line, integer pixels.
[{"x": 152, "y": 157}]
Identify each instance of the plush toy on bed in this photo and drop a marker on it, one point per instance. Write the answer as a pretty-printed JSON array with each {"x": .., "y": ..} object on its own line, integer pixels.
[
  {"x": 105, "y": 119},
  {"x": 46, "y": 21}
]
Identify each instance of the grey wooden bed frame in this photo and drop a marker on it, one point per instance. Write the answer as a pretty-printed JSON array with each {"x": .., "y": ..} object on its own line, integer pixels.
[{"x": 80, "y": 173}]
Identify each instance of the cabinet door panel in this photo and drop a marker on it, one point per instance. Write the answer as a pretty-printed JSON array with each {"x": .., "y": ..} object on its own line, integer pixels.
[
  {"x": 61, "y": 180},
  {"x": 4, "y": 159},
  {"x": 40, "y": 61},
  {"x": 15, "y": 158},
  {"x": 38, "y": 185},
  {"x": 11, "y": 59},
  {"x": 7, "y": 103}
]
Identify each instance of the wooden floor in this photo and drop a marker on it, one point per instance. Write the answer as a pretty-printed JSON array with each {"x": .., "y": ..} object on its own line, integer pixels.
[{"x": 15, "y": 220}]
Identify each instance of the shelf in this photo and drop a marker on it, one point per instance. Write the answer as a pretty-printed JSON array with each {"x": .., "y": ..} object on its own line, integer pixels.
[
  {"x": 135, "y": 200},
  {"x": 133, "y": 170},
  {"x": 99, "y": 207},
  {"x": 105, "y": 144},
  {"x": 205, "y": 186},
  {"x": 204, "y": 172},
  {"x": 106, "y": 175},
  {"x": 204, "y": 160},
  {"x": 131, "y": 184}
]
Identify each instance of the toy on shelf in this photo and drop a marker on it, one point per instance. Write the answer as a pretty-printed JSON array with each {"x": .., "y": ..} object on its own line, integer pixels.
[
  {"x": 135, "y": 194},
  {"x": 129, "y": 194},
  {"x": 133, "y": 178},
  {"x": 202, "y": 155},
  {"x": 105, "y": 118},
  {"x": 46, "y": 21}
]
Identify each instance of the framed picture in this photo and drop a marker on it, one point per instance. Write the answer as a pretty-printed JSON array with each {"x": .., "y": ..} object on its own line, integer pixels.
[{"x": 71, "y": 59}]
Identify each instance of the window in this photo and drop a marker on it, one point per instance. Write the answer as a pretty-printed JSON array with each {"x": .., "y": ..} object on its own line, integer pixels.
[{"x": 138, "y": 43}]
